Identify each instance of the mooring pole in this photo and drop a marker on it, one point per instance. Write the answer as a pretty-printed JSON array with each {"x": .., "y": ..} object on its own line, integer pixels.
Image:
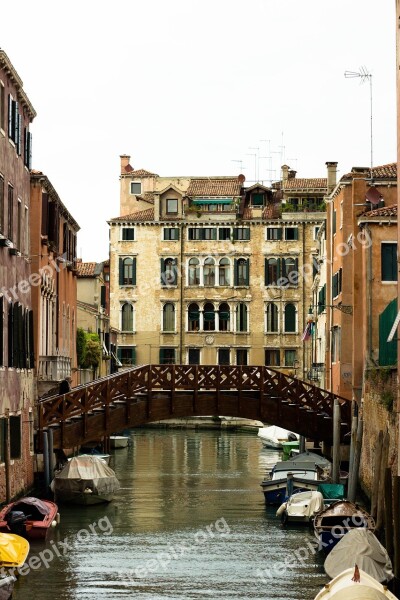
[
  {"x": 46, "y": 466},
  {"x": 356, "y": 464},
  {"x": 336, "y": 442},
  {"x": 51, "y": 452}
]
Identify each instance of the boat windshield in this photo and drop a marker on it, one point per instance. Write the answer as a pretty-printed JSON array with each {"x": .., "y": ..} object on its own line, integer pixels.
[{"x": 311, "y": 474}]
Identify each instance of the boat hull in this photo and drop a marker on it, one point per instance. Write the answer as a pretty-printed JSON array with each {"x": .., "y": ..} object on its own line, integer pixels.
[
  {"x": 344, "y": 587},
  {"x": 84, "y": 499},
  {"x": 118, "y": 441},
  {"x": 34, "y": 529},
  {"x": 6, "y": 587},
  {"x": 275, "y": 490},
  {"x": 332, "y": 523}
]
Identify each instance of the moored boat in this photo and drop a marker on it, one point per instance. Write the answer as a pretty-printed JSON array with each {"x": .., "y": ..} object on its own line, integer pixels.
[
  {"x": 333, "y": 522},
  {"x": 354, "y": 584},
  {"x": 85, "y": 480},
  {"x": 118, "y": 441},
  {"x": 274, "y": 436},
  {"x": 360, "y": 546},
  {"x": 29, "y": 517},
  {"x": 301, "y": 507},
  {"x": 7, "y": 587},
  {"x": 305, "y": 472},
  {"x": 13, "y": 550}
]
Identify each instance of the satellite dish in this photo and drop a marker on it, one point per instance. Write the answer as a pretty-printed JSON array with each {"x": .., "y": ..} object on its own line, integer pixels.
[
  {"x": 241, "y": 178},
  {"x": 373, "y": 196}
]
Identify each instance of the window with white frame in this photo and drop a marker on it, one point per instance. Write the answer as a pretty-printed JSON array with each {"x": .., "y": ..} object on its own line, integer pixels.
[
  {"x": 224, "y": 272},
  {"x": 272, "y": 318},
  {"x": 170, "y": 233},
  {"x": 172, "y": 206},
  {"x": 290, "y": 318},
  {"x": 168, "y": 317},
  {"x": 127, "y": 317},
  {"x": 136, "y": 188},
  {"x": 209, "y": 272},
  {"x": 241, "y": 317},
  {"x": 127, "y": 234},
  {"x": 336, "y": 344},
  {"x": 224, "y": 317},
  {"x": 193, "y": 317},
  {"x": 194, "y": 271},
  {"x": 273, "y": 234}
]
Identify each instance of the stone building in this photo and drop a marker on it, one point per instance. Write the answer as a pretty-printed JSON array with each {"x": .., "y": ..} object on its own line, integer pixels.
[
  {"x": 53, "y": 234},
  {"x": 206, "y": 271},
  {"x": 16, "y": 316}
]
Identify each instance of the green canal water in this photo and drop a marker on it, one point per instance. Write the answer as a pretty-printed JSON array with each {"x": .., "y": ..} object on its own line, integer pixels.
[{"x": 189, "y": 522}]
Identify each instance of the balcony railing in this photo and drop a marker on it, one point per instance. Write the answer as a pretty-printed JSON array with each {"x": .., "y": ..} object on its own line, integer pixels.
[{"x": 54, "y": 368}]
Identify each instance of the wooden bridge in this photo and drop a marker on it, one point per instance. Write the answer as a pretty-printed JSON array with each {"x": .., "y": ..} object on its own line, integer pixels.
[{"x": 155, "y": 392}]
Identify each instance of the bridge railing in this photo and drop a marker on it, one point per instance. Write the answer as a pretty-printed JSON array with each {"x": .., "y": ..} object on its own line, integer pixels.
[{"x": 156, "y": 378}]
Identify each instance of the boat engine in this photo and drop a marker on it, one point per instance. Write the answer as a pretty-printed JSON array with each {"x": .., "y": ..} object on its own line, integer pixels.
[{"x": 16, "y": 521}]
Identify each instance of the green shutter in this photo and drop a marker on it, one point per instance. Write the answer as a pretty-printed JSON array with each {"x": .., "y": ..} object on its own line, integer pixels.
[
  {"x": 134, "y": 270},
  {"x": 389, "y": 262},
  {"x": 387, "y": 350},
  {"x": 121, "y": 271},
  {"x": 162, "y": 356},
  {"x": 247, "y": 282},
  {"x": 296, "y": 233},
  {"x": 235, "y": 272},
  {"x": 133, "y": 356},
  {"x": 290, "y": 318},
  {"x": 265, "y": 271},
  {"x": 334, "y": 222},
  {"x": 279, "y": 232}
]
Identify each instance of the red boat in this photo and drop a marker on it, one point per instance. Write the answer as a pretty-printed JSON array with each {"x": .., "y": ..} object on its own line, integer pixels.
[{"x": 29, "y": 517}]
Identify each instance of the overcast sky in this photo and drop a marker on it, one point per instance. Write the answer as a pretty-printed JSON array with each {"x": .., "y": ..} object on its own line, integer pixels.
[{"x": 187, "y": 87}]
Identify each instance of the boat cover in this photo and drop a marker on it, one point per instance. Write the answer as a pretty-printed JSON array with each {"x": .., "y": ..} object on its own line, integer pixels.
[
  {"x": 42, "y": 508},
  {"x": 360, "y": 546},
  {"x": 13, "y": 550},
  {"x": 84, "y": 471},
  {"x": 332, "y": 491},
  {"x": 276, "y": 433},
  {"x": 305, "y": 504}
]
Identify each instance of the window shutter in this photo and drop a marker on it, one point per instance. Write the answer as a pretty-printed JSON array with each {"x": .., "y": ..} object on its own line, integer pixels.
[
  {"x": 20, "y": 334},
  {"x": 334, "y": 222},
  {"x": 121, "y": 271},
  {"x": 266, "y": 271},
  {"x": 133, "y": 356},
  {"x": 278, "y": 270},
  {"x": 10, "y": 334},
  {"x": 134, "y": 270},
  {"x": 283, "y": 270},
  {"x": 18, "y": 133},
  {"x": 15, "y": 115},
  {"x": 31, "y": 337},
  {"x": 247, "y": 271},
  {"x": 10, "y": 117},
  {"x": 296, "y": 265},
  {"x": 162, "y": 271},
  {"x": 162, "y": 356},
  {"x": 235, "y": 234},
  {"x": 1, "y": 330},
  {"x": 235, "y": 272},
  {"x": 175, "y": 271},
  {"x": 295, "y": 233},
  {"x": 103, "y": 296},
  {"x": 29, "y": 165},
  {"x": 279, "y": 232},
  {"x": 15, "y": 335},
  {"x": 176, "y": 234}
]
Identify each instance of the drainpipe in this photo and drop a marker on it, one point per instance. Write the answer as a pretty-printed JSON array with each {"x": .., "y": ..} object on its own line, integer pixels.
[
  {"x": 369, "y": 296},
  {"x": 304, "y": 302},
  {"x": 7, "y": 458},
  {"x": 182, "y": 269}
]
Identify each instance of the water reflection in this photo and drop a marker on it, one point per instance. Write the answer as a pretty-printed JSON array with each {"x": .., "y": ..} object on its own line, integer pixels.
[{"x": 175, "y": 484}]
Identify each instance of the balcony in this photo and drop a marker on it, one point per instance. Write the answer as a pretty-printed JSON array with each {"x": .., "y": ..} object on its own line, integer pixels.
[{"x": 54, "y": 368}]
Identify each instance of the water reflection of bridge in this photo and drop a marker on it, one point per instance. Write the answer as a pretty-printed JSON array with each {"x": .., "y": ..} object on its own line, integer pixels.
[{"x": 155, "y": 392}]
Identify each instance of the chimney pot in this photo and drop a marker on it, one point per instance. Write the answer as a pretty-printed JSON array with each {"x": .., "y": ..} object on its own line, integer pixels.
[
  {"x": 331, "y": 168},
  {"x": 125, "y": 160}
]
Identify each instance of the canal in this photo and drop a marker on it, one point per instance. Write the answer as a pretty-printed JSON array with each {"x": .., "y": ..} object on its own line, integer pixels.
[{"x": 189, "y": 522}]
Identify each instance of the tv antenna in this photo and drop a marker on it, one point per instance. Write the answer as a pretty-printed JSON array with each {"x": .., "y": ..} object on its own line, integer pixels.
[{"x": 364, "y": 75}]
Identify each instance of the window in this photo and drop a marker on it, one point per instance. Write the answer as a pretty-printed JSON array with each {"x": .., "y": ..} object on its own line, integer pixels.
[
  {"x": 224, "y": 356},
  {"x": 336, "y": 344},
  {"x": 241, "y": 233},
  {"x": 2, "y": 229},
  {"x": 209, "y": 233},
  {"x": 126, "y": 355},
  {"x": 103, "y": 296},
  {"x": 3, "y": 438},
  {"x": 272, "y": 271},
  {"x": 290, "y": 318},
  {"x": 172, "y": 206},
  {"x": 1, "y": 331},
  {"x": 337, "y": 283},
  {"x": 136, "y": 188},
  {"x": 334, "y": 222},
  {"x": 169, "y": 271},
  {"x": 171, "y": 233},
  {"x": 10, "y": 212},
  {"x": 224, "y": 317},
  {"x": 127, "y": 271},
  {"x": 389, "y": 261},
  {"x": 241, "y": 271},
  {"x": 14, "y": 121},
  {"x": 194, "y": 233},
  {"x": 290, "y": 269},
  {"x": 290, "y": 357},
  {"x": 209, "y": 272},
  {"x": 272, "y": 324},
  {"x": 209, "y": 317},
  {"x": 15, "y": 437},
  {"x": 2, "y": 107},
  {"x": 127, "y": 234},
  {"x": 127, "y": 317},
  {"x": 194, "y": 356},
  {"x": 167, "y": 356},
  {"x": 169, "y": 317},
  {"x": 291, "y": 233},
  {"x": 315, "y": 232},
  {"x": 272, "y": 358},
  {"x": 193, "y": 317},
  {"x": 224, "y": 271},
  {"x": 27, "y": 148},
  {"x": 274, "y": 233},
  {"x": 224, "y": 233},
  {"x": 194, "y": 271},
  {"x": 257, "y": 199},
  {"x": 241, "y": 356},
  {"x": 19, "y": 225},
  {"x": 322, "y": 299},
  {"x": 241, "y": 317},
  {"x": 341, "y": 215}
]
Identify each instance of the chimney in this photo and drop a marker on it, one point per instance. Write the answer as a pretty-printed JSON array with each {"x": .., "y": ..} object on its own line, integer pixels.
[
  {"x": 331, "y": 168},
  {"x": 285, "y": 172},
  {"x": 292, "y": 174},
  {"x": 125, "y": 159}
]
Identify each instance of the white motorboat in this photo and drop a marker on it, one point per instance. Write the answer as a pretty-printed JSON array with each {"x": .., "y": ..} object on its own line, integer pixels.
[
  {"x": 274, "y": 436},
  {"x": 118, "y": 441},
  {"x": 301, "y": 507},
  {"x": 354, "y": 584}
]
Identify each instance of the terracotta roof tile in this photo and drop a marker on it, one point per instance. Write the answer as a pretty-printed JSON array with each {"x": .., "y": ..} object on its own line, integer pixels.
[
  {"x": 272, "y": 211},
  {"x": 146, "y": 197},
  {"x": 85, "y": 269},
  {"x": 213, "y": 186},
  {"x": 142, "y": 215},
  {"x": 142, "y": 173},
  {"x": 319, "y": 183},
  {"x": 384, "y": 211},
  {"x": 388, "y": 171}
]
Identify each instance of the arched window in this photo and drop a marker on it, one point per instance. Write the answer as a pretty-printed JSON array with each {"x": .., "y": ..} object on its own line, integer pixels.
[
  {"x": 224, "y": 271},
  {"x": 209, "y": 272},
  {"x": 168, "y": 317},
  {"x": 194, "y": 317},
  {"x": 290, "y": 269},
  {"x": 194, "y": 271},
  {"x": 271, "y": 271},
  {"x": 242, "y": 271},
  {"x": 272, "y": 318},
  {"x": 127, "y": 317},
  {"x": 224, "y": 317},
  {"x": 209, "y": 317},
  {"x": 241, "y": 317},
  {"x": 168, "y": 271},
  {"x": 127, "y": 271},
  {"x": 290, "y": 318}
]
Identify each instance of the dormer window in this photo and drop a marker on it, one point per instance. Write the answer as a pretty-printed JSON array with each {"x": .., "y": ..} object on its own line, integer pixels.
[
  {"x": 257, "y": 199},
  {"x": 172, "y": 206},
  {"x": 136, "y": 188}
]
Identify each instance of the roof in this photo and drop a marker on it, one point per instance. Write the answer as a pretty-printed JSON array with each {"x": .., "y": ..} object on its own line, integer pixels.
[
  {"x": 48, "y": 186},
  {"x": 140, "y": 173},
  {"x": 214, "y": 186},
  {"x": 86, "y": 269},
  {"x": 146, "y": 197},
  {"x": 142, "y": 215},
  {"x": 7, "y": 65},
  {"x": 388, "y": 171},
  {"x": 88, "y": 307},
  {"x": 384, "y": 211},
  {"x": 293, "y": 183}
]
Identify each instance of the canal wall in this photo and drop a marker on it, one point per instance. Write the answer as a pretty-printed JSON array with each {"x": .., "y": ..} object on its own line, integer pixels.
[{"x": 379, "y": 412}]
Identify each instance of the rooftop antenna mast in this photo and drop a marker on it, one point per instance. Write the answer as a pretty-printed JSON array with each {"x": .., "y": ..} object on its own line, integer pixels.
[
  {"x": 256, "y": 160},
  {"x": 240, "y": 163},
  {"x": 364, "y": 76}
]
